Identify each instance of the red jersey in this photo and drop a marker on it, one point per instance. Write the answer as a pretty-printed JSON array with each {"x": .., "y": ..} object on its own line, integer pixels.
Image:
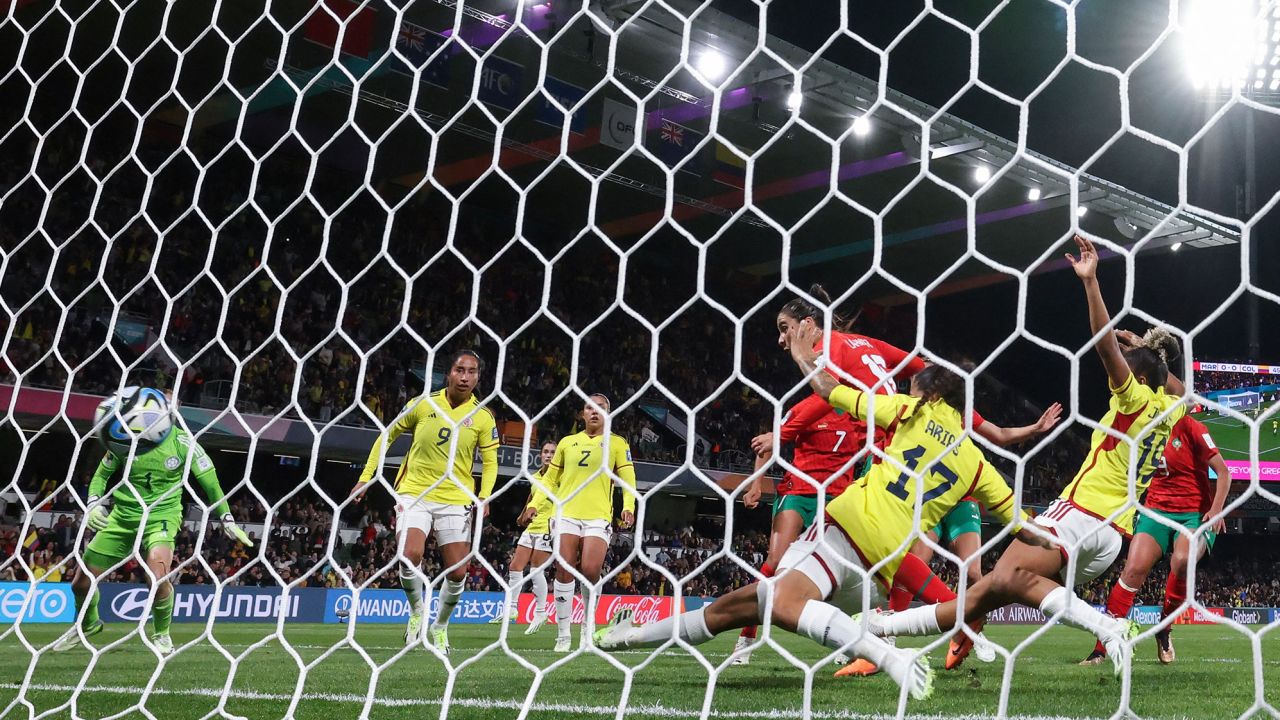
[
  {"x": 823, "y": 448},
  {"x": 826, "y": 439},
  {"x": 1181, "y": 483}
]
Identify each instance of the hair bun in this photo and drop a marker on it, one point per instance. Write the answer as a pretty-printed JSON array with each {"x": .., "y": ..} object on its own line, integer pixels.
[{"x": 1162, "y": 343}]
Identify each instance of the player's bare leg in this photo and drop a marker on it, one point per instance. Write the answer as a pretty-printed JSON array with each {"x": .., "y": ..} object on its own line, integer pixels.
[
  {"x": 966, "y": 546},
  {"x": 787, "y": 526},
  {"x": 590, "y": 564},
  {"x": 413, "y": 545},
  {"x": 796, "y": 606},
  {"x": 159, "y": 561},
  {"x": 1144, "y": 553},
  {"x": 569, "y": 549},
  {"x": 1025, "y": 574},
  {"x": 454, "y": 556},
  {"x": 515, "y": 578},
  {"x": 540, "y": 559}
]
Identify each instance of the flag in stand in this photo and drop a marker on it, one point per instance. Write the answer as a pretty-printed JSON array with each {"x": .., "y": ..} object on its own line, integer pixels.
[
  {"x": 322, "y": 28},
  {"x": 730, "y": 169},
  {"x": 675, "y": 143},
  {"x": 417, "y": 44}
]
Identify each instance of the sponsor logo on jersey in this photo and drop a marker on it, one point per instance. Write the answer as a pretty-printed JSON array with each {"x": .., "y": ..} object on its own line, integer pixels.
[
  {"x": 172, "y": 462},
  {"x": 494, "y": 434},
  {"x": 203, "y": 463},
  {"x": 130, "y": 604},
  {"x": 628, "y": 454}
]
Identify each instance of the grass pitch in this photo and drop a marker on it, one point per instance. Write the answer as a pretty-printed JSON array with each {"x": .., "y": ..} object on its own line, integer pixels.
[
  {"x": 1213, "y": 678},
  {"x": 1232, "y": 437}
]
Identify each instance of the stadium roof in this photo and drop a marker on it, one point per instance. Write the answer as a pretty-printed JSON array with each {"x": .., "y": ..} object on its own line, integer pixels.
[{"x": 924, "y": 233}]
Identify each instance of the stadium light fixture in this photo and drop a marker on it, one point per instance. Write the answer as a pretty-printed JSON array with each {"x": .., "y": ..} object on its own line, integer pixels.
[
  {"x": 1033, "y": 194},
  {"x": 1081, "y": 211},
  {"x": 1227, "y": 45},
  {"x": 712, "y": 64},
  {"x": 794, "y": 98},
  {"x": 861, "y": 126},
  {"x": 982, "y": 173},
  {"x": 1176, "y": 246}
]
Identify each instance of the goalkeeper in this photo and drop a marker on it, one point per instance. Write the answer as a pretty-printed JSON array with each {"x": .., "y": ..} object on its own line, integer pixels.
[{"x": 147, "y": 502}]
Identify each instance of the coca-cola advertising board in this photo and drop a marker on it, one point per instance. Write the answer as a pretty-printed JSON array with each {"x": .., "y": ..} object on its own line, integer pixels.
[
  {"x": 645, "y": 608},
  {"x": 391, "y": 606}
]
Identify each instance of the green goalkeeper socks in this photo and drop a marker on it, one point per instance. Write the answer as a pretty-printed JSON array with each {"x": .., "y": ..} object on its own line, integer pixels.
[
  {"x": 91, "y": 611},
  {"x": 162, "y": 613}
]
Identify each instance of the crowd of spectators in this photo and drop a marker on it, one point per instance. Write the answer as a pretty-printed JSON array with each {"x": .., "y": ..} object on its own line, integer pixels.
[
  {"x": 328, "y": 321},
  {"x": 1211, "y": 380}
]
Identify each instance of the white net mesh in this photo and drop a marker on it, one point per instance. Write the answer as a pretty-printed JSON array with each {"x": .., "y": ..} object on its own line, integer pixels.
[{"x": 293, "y": 215}]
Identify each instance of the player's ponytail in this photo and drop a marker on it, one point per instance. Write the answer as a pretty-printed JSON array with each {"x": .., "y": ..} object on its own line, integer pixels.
[{"x": 799, "y": 308}]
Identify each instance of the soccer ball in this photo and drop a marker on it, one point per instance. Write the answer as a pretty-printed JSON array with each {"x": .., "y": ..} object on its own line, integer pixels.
[{"x": 140, "y": 412}]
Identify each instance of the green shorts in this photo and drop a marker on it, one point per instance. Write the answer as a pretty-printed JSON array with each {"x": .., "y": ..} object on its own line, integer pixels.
[
  {"x": 115, "y": 542},
  {"x": 1166, "y": 535},
  {"x": 965, "y": 517},
  {"x": 806, "y": 505}
]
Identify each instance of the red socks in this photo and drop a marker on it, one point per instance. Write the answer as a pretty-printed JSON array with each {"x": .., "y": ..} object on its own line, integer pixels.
[
  {"x": 749, "y": 632},
  {"x": 1175, "y": 593},
  {"x": 915, "y": 579},
  {"x": 1119, "y": 603}
]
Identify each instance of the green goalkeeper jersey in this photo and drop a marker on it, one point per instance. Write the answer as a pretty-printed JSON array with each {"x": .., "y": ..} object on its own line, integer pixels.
[{"x": 156, "y": 477}]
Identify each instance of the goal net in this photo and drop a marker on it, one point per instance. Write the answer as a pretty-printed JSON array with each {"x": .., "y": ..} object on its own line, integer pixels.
[
  {"x": 292, "y": 216},
  {"x": 1239, "y": 401}
]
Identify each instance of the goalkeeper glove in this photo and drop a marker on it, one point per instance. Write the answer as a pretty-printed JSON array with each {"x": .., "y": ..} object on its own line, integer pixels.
[
  {"x": 234, "y": 532},
  {"x": 97, "y": 516}
]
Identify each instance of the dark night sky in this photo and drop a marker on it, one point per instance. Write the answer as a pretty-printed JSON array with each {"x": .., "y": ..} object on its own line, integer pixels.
[{"x": 1069, "y": 120}]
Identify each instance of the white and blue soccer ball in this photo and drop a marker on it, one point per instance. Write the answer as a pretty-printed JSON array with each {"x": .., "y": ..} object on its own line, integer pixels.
[{"x": 134, "y": 412}]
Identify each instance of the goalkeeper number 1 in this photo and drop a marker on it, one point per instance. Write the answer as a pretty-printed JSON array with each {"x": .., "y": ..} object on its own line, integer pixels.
[{"x": 154, "y": 484}]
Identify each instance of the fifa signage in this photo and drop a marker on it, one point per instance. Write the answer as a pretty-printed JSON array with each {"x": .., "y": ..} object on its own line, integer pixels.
[{"x": 40, "y": 603}]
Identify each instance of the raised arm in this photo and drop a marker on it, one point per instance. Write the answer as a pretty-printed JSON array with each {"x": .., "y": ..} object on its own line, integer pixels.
[
  {"x": 1086, "y": 268},
  {"x": 1012, "y": 436}
]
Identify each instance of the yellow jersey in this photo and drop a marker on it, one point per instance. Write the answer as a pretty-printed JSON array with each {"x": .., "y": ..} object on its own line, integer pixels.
[
  {"x": 1101, "y": 487},
  {"x": 577, "y": 464},
  {"x": 541, "y": 522},
  {"x": 428, "y": 466},
  {"x": 876, "y": 513}
]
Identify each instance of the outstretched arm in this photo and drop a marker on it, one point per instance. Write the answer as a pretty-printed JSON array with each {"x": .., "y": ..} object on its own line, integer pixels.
[
  {"x": 1086, "y": 268},
  {"x": 1003, "y": 436}
]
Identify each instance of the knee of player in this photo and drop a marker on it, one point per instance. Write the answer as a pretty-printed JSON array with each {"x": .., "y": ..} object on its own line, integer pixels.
[
  {"x": 1004, "y": 580},
  {"x": 458, "y": 575},
  {"x": 1178, "y": 562}
]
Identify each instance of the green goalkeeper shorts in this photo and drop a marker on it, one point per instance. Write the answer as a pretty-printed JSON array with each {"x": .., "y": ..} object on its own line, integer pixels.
[
  {"x": 115, "y": 542},
  {"x": 1164, "y": 534},
  {"x": 963, "y": 518}
]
